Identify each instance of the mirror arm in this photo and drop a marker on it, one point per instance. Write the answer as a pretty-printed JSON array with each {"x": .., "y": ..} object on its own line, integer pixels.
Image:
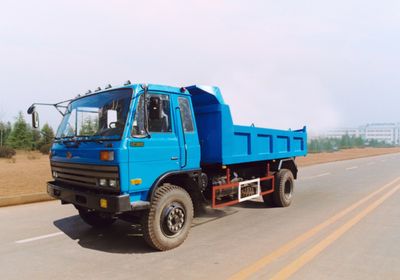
[
  {"x": 55, "y": 105},
  {"x": 58, "y": 109}
]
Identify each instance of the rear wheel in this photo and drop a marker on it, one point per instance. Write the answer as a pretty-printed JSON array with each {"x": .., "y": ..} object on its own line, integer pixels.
[
  {"x": 96, "y": 219},
  {"x": 284, "y": 186},
  {"x": 166, "y": 225}
]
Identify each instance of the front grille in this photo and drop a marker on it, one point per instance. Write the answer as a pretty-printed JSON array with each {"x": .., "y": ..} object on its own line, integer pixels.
[{"x": 85, "y": 175}]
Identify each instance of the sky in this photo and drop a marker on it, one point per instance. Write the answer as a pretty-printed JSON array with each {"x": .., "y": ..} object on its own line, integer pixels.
[{"x": 279, "y": 64}]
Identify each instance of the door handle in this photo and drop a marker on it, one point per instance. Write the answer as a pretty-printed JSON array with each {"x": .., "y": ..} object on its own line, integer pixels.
[{"x": 174, "y": 158}]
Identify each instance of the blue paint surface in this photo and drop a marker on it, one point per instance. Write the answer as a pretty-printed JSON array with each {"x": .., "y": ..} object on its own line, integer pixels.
[
  {"x": 225, "y": 143},
  {"x": 214, "y": 140}
]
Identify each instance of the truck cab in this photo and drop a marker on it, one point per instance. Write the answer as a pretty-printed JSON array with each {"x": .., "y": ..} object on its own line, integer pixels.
[
  {"x": 110, "y": 130},
  {"x": 154, "y": 154}
]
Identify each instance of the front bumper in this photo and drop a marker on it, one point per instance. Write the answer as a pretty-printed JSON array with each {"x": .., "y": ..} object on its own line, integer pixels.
[{"x": 91, "y": 200}]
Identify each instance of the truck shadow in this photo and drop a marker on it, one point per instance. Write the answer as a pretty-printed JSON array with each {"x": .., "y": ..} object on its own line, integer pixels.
[
  {"x": 255, "y": 205},
  {"x": 120, "y": 238},
  {"x": 123, "y": 237}
]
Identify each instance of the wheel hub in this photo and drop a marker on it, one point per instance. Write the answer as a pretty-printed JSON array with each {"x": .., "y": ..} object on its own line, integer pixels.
[{"x": 173, "y": 219}]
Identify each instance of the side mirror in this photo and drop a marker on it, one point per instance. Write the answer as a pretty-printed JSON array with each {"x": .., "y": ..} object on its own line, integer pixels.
[
  {"x": 35, "y": 116},
  {"x": 31, "y": 109},
  {"x": 155, "y": 108},
  {"x": 35, "y": 119}
]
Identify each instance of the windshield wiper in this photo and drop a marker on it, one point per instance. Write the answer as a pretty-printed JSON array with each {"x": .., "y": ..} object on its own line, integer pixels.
[
  {"x": 68, "y": 139},
  {"x": 99, "y": 139},
  {"x": 65, "y": 138},
  {"x": 83, "y": 139}
]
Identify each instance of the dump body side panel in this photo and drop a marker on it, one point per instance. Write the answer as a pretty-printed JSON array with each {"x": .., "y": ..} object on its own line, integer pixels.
[
  {"x": 248, "y": 144},
  {"x": 225, "y": 143}
]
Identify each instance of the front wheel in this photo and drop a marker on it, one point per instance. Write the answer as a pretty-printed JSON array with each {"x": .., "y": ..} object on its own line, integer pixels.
[
  {"x": 166, "y": 225},
  {"x": 96, "y": 219},
  {"x": 284, "y": 185}
]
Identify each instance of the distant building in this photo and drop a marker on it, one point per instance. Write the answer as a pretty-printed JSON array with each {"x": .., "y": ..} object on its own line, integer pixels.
[
  {"x": 339, "y": 132},
  {"x": 383, "y": 132}
]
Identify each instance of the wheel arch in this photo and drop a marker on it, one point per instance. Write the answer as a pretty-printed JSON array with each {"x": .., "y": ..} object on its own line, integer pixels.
[
  {"x": 186, "y": 179},
  {"x": 287, "y": 163}
]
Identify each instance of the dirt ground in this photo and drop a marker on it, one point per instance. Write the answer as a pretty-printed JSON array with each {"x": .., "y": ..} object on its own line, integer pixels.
[
  {"x": 312, "y": 159},
  {"x": 28, "y": 172}
]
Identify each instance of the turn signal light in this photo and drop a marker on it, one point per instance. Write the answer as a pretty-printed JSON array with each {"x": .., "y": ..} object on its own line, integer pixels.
[
  {"x": 106, "y": 155},
  {"x": 103, "y": 203}
]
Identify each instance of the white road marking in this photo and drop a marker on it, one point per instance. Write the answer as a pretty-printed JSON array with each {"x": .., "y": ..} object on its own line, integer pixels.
[
  {"x": 39, "y": 237},
  {"x": 316, "y": 176},
  {"x": 351, "y": 168}
]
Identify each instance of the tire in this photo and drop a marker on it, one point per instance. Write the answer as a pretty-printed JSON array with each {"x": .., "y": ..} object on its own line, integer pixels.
[
  {"x": 284, "y": 187},
  {"x": 167, "y": 223},
  {"x": 268, "y": 201},
  {"x": 96, "y": 219}
]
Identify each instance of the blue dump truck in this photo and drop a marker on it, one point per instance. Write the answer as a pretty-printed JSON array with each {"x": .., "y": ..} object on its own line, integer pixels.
[{"x": 158, "y": 154}]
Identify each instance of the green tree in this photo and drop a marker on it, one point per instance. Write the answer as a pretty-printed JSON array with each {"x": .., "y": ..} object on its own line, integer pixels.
[
  {"x": 345, "y": 142},
  {"x": 36, "y": 138},
  {"x": 89, "y": 126},
  {"x": 331, "y": 144},
  {"x": 359, "y": 142},
  {"x": 314, "y": 146},
  {"x": 5, "y": 130},
  {"x": 21, "y": 135},
  {"x": 47, "y": 135},
  {"x": 327, "y": 145}
]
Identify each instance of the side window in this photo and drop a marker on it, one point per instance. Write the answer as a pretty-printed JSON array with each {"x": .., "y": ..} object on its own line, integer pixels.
[
  {"x": 158, "y": 114},
  {"x": 186, "y": 114}
]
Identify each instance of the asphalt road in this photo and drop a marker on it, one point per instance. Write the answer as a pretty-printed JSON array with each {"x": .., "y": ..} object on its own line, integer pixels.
[{"x": 343, "y": 224}]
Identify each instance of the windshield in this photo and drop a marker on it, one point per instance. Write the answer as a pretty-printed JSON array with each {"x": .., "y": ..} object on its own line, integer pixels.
[{"x": 101, "y": 115}]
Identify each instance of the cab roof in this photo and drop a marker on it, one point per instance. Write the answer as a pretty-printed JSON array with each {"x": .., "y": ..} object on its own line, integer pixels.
[{"x": 205, "y": 94}]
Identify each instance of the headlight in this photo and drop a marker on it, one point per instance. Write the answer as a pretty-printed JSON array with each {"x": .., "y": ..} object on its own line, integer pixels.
[
  {"x": 112, "y": 183},
  {"x": 103, "y": 182}
]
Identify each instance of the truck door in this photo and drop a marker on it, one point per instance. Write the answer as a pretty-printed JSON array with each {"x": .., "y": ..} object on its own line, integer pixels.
[
  {"x": 153, "y": 155},
  {"x": 187, "y": 135}
]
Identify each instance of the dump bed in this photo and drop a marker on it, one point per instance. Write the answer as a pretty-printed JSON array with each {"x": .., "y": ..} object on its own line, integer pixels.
[{"x": 223, "y": 142}]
